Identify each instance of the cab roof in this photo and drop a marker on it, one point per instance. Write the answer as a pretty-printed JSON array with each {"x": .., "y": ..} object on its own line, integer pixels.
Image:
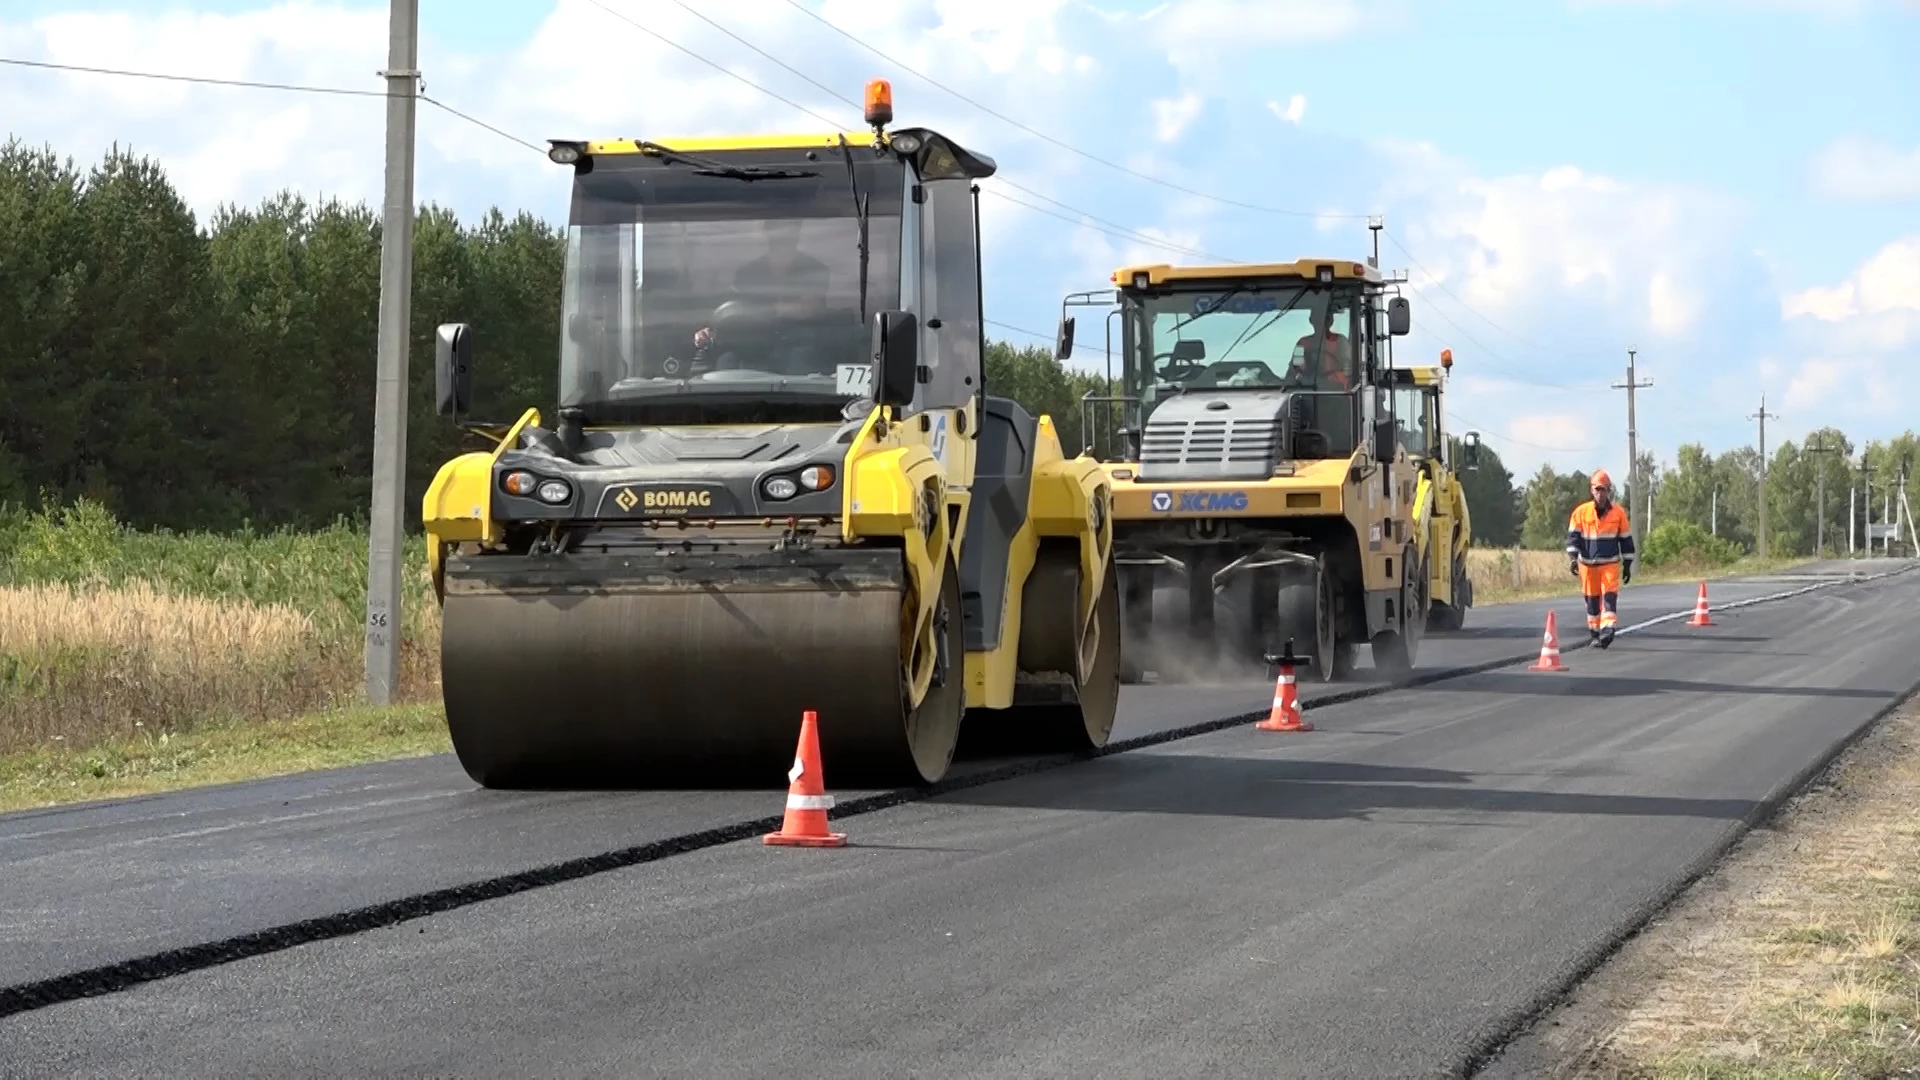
[
  {"x": 934, "y": 155},
  {"x": 1298, "y": 270},
  {"x": 1426, "y": 375}
]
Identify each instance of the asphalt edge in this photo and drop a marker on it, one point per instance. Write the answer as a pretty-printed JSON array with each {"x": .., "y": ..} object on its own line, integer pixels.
[
  {"x": 171, "y": 963},
  {"x": 1488, "y": 1049}
]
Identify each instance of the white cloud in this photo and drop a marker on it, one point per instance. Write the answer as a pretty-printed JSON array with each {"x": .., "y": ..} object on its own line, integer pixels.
[
  {"x": 1875, "y": 310},
  {"x": 1207, "y": 40},
  {"x": 1518, "y": 247},
  {"x": 1292, "y": 111},
  {"x": 1862, "y": 170},
  {"x": 1172, "y": 115}
]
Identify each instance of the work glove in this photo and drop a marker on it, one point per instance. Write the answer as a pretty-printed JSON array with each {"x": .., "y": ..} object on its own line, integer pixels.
[
  {"x": 1626, "y": 573},
  {"x": 1573, "y": 567}
]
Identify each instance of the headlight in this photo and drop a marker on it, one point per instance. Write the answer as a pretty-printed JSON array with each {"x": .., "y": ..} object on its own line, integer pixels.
[
  {"x": 811, "y": 478},
  {"x": 518, "y": 483},
  {"x": 555, "y": 492}
]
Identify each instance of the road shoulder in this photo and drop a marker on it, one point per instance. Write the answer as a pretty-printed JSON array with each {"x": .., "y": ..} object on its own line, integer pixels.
[{"x": 1799, "y": 955}]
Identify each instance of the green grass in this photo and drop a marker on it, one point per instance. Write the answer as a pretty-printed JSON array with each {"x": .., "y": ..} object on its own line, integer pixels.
[{"x": 220, "y": 752}]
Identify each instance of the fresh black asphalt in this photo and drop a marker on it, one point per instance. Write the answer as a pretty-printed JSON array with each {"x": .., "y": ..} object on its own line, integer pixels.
[
  {"x": 100, "y": 883},
  {"x": 1381, "y": 897}
]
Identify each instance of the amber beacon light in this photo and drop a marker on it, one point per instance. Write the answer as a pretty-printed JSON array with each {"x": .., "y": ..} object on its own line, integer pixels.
[{"x": 879, "y": 102}]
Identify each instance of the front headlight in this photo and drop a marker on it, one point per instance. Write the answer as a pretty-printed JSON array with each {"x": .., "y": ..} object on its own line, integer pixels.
[
  {"x": 787, "y": 485},
  {"x": 555, "y": 492}
]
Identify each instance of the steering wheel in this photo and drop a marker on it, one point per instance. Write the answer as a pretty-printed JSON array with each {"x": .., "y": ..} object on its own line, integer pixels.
[{"x": 1177, "y": 371}]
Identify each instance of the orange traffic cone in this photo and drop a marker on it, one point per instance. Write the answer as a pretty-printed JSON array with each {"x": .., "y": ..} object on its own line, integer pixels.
[
  {"x": 1700, "y": 614},
  {"x": 807, "y": 800},
  {"x": 1286, "y": 700},
  {"x": 1549, "y": 650}
]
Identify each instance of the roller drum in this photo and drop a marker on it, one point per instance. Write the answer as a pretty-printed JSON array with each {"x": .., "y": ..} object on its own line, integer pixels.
[{"x": 648, "y": 671}]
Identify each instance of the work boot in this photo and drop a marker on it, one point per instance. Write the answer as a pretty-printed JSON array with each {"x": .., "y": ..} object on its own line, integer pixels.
[
  {"x": 1606, "y": 637},
  {"x": 1593, "y": 635}
]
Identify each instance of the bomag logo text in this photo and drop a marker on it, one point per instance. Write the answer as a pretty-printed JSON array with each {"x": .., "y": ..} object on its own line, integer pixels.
[
  {"x": 1212, "y": 501},
  {"x": 670, "y": 501}
]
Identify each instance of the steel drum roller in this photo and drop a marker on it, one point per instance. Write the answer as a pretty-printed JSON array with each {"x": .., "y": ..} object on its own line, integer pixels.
[{"x": 642, "y": 670}]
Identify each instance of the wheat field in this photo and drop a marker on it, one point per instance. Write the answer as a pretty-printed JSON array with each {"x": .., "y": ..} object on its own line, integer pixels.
[{"x": 108, "y": 634}]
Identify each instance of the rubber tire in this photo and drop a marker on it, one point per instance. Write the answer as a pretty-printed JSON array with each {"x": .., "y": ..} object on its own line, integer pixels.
[{"x": 1303, "y": 610}]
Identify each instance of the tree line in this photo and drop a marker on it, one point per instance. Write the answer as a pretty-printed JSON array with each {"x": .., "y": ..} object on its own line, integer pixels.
[{"x": 221, "y": 375}]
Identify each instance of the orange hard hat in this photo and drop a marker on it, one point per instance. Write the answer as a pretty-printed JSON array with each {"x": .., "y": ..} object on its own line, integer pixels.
[{"x": 1601, "y": 479}]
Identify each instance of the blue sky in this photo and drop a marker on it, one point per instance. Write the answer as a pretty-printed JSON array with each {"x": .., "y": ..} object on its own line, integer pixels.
[{"x": 1579, "y": 175}]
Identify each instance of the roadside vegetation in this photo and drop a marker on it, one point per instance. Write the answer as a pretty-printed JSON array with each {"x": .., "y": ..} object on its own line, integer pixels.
[{"x": 1798, "y": 957}]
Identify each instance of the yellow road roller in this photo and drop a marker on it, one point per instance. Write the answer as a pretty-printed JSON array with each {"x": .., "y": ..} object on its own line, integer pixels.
[{"x": 775, "y": 481}]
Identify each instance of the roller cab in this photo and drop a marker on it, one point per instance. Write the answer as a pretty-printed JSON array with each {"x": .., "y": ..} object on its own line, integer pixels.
[
  {"x": 1442, "y": 523},
  {"x": 1261, "y": 490},
  {"x": 773, "y": 481}
]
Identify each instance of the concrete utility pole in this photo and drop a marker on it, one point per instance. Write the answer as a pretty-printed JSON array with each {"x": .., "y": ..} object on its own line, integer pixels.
[
  {"x": 1820, "y": 499},
  {"x": 1633, "y": 444},
  {"x": 1866, "y": 506},
  {"x": 384, "y": 545},
  {"x": 1763, "y": 415}
]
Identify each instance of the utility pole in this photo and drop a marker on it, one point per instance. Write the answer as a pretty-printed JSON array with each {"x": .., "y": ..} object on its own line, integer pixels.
[
  {"x": 1633, "y": 442},
  {"x": 1763, "y": 415},
  {"x": 1866, "y": 506},
  {"x": 1820, "y": 498},
  {"x": 384, "y": 546}
]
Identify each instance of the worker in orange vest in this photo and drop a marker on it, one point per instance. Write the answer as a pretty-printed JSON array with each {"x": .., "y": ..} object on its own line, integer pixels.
[{"x": 1600, "y": 553}]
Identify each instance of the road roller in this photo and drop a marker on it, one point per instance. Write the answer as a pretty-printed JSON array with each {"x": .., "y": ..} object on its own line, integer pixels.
[
  {"x": 1260, "y": 470},
  {"x": 775, "y": 481}
]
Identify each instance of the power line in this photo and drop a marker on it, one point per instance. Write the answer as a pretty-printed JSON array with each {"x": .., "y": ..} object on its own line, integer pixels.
[
  {"x": 1442, "y": 286},
  {"x": 252, "y": 84},
  {"x": 842, "y": 97},
  {"x": 202, "y": 79},
  {"x": 930, "y": 80}
]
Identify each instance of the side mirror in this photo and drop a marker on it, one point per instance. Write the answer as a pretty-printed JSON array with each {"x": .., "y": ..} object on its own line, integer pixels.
[
  {"x": 1385, "y": 444},
  {"x": 896, "y": 357},
  {"x": 1399, "y": 316},
  {"x": 453, "y": 369},
  {"x": 1473, "y": 449},
  {"x": 1063, "y": 345}
]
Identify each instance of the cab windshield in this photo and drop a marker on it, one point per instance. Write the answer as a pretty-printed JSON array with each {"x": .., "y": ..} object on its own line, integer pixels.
[
  {"x": 699, "y": 282},
  {"x": 1298, "y": 337}
]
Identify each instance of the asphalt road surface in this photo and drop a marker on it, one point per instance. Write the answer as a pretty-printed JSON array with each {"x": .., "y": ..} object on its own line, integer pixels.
[{"x": 1385, "y": 896}]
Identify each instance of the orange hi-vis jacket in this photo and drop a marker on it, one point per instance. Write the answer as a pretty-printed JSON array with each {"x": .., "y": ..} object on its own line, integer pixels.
[{"x": 1597, "y": 539}]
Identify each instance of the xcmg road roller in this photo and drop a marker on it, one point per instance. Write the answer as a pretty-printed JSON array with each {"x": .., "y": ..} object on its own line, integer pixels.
[
  {"x": 1257, "y": 467},
  {"x": 776, "y": 481}
]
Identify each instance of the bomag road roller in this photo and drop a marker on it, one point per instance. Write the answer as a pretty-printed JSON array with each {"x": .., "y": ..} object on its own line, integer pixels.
[
  {"x": 1255, "y": 463},
  {"x": 776, "y": 482},
  {"x": 1442, "y": 525}
]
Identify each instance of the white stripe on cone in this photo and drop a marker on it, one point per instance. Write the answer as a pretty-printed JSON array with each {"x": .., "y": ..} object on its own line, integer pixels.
[{"x": 809, "y": 802}]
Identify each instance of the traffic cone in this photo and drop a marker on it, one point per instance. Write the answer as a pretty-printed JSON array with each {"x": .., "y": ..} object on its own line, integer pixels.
[
  {"x": 1700, "y": 615},
  {"x": 807, "y": 800},
  {"x": 1286, "y": 700},
  {"x": 1549, "y": 650}
]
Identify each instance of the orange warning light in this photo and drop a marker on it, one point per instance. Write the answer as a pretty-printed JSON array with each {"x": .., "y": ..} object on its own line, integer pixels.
[
  {"x": 1446, "y": 358},
  {"x": 879, "y": 102}
]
